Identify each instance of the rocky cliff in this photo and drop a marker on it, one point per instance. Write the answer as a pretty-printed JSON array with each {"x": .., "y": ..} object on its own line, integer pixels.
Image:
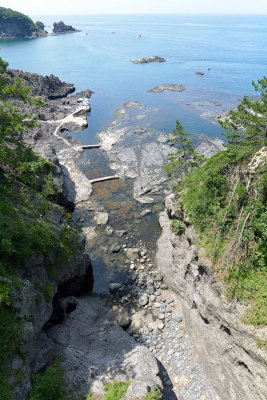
[
  {"x": 228, "y": 348},
  {"x": 14, "y": 24}
]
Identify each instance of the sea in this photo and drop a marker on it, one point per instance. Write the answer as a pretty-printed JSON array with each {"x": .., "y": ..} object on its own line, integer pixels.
[{"x": 230, "y": 50}]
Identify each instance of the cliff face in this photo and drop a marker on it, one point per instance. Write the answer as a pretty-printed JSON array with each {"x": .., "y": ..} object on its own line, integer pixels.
[
  {"x": 39, "y": 302},
  {"x": 227, "y": 347},
  {"x": 14, "y": 25},
  {"x": 43, "y": 262}
]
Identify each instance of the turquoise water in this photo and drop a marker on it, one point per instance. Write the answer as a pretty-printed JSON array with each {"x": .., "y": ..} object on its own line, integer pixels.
[{"x": 233, "y": 47}]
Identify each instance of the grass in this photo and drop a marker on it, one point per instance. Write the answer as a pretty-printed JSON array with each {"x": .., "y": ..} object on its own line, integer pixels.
[
  {"x": 10, "y": 342},
  {"x": 115, "y": 390}
]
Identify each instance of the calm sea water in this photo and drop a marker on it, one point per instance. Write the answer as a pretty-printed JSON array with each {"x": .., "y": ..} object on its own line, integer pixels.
[{"x": 233, "y": 47}]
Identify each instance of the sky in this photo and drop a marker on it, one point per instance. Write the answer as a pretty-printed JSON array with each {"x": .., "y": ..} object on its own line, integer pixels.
[{"x": 66, "y": 7}]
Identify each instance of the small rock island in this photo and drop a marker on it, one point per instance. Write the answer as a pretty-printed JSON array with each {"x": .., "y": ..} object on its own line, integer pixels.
[
  {"x": 147, "y": 60},
  {"x": 167, "y": 87},
  {"x": 60, "y": 27}
]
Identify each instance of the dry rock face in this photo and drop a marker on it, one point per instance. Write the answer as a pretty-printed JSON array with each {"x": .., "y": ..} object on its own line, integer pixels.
[
  {"x": 227, "y": 348},
  {"x": 92, "y": 354}
]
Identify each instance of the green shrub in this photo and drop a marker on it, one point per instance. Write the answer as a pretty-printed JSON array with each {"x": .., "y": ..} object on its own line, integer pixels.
[
  {"x": 115, "y": 390},
  {"x": 49, "y": 385},
  {"x": 177, "y": 227},
  {"x": 155, "y": 395},
  {"x": 231, "y": 220},
  {"x": 10, "y": 342},
  {"x": 5, "y": 292}
]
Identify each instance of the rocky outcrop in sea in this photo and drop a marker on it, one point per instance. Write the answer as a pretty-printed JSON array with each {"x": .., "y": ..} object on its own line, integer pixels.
[
  {"x": 60, "y": 27},
  {"x": 147, "y": 60}
]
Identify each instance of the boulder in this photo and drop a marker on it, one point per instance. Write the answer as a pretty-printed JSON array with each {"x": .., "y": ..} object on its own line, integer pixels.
[
  {"x": 114, "y": 287},
  {"x": 101, "y": 218},
  {"x": 143, "y": 299}
]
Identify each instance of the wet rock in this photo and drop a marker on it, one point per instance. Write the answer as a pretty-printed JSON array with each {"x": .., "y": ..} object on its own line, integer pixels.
[
  {"x": 115, "y": 248},
  {"x": 121, "y": 233},
  {"x": 114, "y": 287},
  {"x": 101, "y": 218},
  {"x": 146, "y": 212},
  {"x": 124, "y": 321},
  {"x": 109, "y": 231},
  {"x": 143, "y": 299}
]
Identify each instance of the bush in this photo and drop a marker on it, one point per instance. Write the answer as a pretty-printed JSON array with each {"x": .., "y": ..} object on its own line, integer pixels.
[
  {"x": 115, "y": 390},
  {"x": 155, "y": 395},
  {"x": 49, "y": 385},
  {"x": 177, "y": 227}
]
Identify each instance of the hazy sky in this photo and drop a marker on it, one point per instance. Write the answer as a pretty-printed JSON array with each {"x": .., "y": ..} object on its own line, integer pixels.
[{"x": 63, "y": 7}]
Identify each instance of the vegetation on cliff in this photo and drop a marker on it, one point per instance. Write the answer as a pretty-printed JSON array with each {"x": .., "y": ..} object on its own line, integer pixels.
[
  {"x": 28, "y": 202},
  {"x": 15, "y": 24},
  {"x": 226, "y": 200}
]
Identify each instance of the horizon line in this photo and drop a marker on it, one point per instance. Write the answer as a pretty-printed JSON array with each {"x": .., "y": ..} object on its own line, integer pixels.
[{"x": 159, "y": 13}]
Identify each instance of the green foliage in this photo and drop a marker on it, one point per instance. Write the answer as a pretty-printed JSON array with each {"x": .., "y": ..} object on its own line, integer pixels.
[
  {"x": 155, "y": 395},
  {"x": 9, "y": 17},
  {"x": 185, "y": 158},
  {"x": 10, "y": 341},
  {"x": 115, "y": 390},
  {"x": 228, "y": 206},
  {"x": 218, "y": 203},
  {"x": 49, "y": 384},
  {"x": 177, "y": 227},
  {"x": 48, "y": 291},
  {"x": 5, "y": 292},
  {"x": 249, "y": 121}
]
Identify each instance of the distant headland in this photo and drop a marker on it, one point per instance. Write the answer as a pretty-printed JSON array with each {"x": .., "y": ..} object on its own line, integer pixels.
[{"x": 14, "y": 24}]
